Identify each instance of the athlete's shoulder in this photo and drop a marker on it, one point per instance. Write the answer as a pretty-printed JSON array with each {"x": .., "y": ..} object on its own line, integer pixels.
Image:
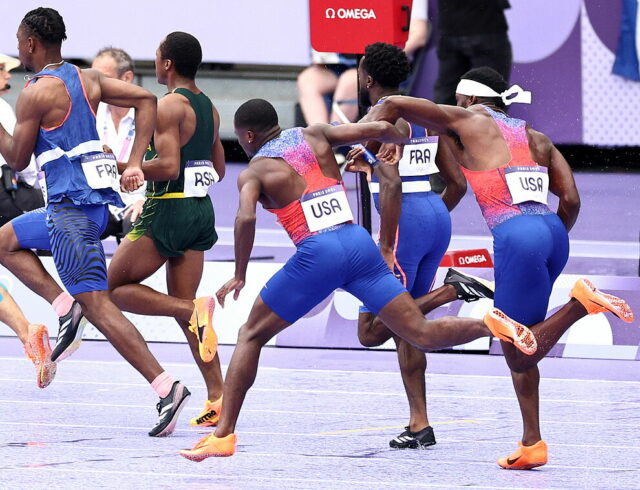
[
  {"x": 540, "y": 145},
  {"x": 249, "y": 176},
  {"x": 172, "y": 105}
]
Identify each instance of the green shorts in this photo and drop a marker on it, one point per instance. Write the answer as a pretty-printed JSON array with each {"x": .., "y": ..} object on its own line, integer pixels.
[{"x": 177, "y": 225}]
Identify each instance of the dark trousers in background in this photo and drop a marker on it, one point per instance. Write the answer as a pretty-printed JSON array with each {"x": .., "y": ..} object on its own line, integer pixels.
[
  {"x": 15, "y": 202},
  {"x": 459, "y": 54}
]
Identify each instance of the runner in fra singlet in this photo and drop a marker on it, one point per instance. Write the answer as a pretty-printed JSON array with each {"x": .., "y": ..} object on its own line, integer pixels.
[{"x": 56, "y": 122}]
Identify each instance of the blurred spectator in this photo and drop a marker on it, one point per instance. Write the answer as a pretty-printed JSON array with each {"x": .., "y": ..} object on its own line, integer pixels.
[
  {"x": 471, "y": 34},
  {"x": 18, "y": 192},
  {"x": 336, "y": 74},
  {"x": 116, "y": 128}
]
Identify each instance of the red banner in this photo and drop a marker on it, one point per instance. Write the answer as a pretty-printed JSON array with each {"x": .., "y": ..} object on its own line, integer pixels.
[
  {"x": 348, "y": 26},
  {"x": 467, "y": 258}
]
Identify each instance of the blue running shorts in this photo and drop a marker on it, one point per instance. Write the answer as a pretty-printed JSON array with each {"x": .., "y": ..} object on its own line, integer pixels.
[
  {"x": 72, "y": 233},
  {"x": 530, "y": 252},
  {"x": 345, "y": 258}
]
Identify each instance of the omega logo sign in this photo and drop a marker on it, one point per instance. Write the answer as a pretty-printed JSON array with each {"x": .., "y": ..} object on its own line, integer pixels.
[
  {"x": 473, "y": 259},
  {"x": 350, "y": 13}
]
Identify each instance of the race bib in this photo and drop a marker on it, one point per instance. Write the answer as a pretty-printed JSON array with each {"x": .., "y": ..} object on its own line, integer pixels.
[
  {"x": 326, "y": 207},
  {"x": 528, "y": 183},
  {"x": 198, "y": 177},
  {"x": 42, "y": 182},
  {"x": 100, "y": 170},
  {"x": 419, "y": 157}
]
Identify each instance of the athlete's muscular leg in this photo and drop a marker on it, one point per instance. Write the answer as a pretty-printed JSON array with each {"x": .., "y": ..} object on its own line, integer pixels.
[
  {"x": 26, "y": 266},
  {"x": 547, "y": 333},
  {"x": 183, "y": 278},
  {"x": 11, "y": 315},
  {"x": 261, "y": 326},
  {"x": 132, "y": 263},
  {"x": 413, "y": 366},
  {"x": 372, "y": 332},
  {"x": 120, "y": 332},
  {"x": 526, "y": 386},
  {"x": 404, "y": 318}
]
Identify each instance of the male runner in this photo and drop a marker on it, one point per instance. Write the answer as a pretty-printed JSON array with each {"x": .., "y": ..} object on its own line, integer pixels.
[
  {"x": 56, "y": 121},
  {"x": 415, "y": 228},
  {"x": 294, "y": 174},
  {"x": 177, "y": 222},
  {"x": 511, "y": 167}
]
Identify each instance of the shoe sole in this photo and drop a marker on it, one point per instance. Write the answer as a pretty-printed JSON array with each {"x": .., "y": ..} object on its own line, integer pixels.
[
  {"x": 498, "y": 322},
  {"x": 45, "y": 368},
  {"x": 205, "y": 424},
  {"x": 523, "y": 467},
  {"x": 208, "y": 344},
  {"x": 168, "y": 430},
  {"x": 462, "y": 277},
  {"x": 75, "y": 343},
  {"x": 416, "y": 446},
  {"x": 201, "y": 457},
  {"x": 484, "y": 282},
  {"x": 607, "y": 302}
]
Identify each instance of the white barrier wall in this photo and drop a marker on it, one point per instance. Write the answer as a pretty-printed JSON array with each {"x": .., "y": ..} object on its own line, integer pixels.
[
  {"x": 227, "y": 320},
  {"x": 242, "y": 31}
]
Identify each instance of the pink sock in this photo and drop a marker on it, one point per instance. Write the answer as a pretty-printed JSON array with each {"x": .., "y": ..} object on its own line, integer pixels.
[
  {"x": 62, "y": 304},
  {"x": 162, "y": 384}
]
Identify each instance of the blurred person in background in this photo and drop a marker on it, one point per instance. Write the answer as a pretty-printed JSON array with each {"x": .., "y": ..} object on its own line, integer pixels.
[{"x": 117, "y": 128}]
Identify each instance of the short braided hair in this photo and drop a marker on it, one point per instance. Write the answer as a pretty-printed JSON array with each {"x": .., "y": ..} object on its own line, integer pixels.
[{"x": 46, "y": 24}]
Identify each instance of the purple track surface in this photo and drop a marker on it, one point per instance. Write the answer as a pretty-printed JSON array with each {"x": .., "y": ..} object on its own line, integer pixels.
[{"x": 316, "y": 419}]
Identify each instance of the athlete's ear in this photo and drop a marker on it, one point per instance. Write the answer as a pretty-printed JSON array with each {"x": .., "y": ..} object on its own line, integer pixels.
[
  {"x": 167, "y": 65},
  {"x": 473, "y": 100},
  {"x": 370, "y": 82},
  {"x": 251, "y": 136}
]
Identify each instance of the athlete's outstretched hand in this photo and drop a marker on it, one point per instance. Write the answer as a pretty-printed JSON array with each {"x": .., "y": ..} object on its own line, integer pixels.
[
  {"x": 390, "y": 153},
  {"x": 355, "y": 162},
  {"x": 134, "y": 210},
  {"x": 235, "y": 285},
  {"x": 132, "y": 179}
]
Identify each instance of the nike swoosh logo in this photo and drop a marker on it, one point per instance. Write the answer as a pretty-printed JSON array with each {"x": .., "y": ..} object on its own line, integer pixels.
[
  {"x": 512, "y": 461},
  {"x": 201, "y": 331}
]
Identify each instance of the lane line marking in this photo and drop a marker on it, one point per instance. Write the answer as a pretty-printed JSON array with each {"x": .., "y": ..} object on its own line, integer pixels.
[
  {"x": 341, "y": 371},
  {"x": 199, "y": 431},
  {"x": 316, "y": 480},
  {"x": 352, "y": 393},
  {"x": 608, "y": 423},
  {"x": 461, "y": 421}
]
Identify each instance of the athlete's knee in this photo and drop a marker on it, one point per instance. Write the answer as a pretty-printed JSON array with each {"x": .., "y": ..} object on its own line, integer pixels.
[
  {"x": 519, "y": 362},
  {"x": 8, "y": 239},
  {"x": 368, "y": 330},
  {"x": 252, "y": 333}
]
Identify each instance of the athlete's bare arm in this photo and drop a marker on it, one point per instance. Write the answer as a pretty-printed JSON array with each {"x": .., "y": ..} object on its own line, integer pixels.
[
  {"x": 561, "y": 181},
  {"x": 217, "y": 152},
  {"x": 349, "y": 134},
  {"x": 423, "y": 112},
  {"x": 17, "y": 149},
  {"x": 166, "y": 140},
  {"x": 244, "y": 231},
  {"x": 452, "y": 175}
]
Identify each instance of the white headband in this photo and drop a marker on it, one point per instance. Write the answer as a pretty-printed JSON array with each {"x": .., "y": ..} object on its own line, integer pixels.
[{"x": 514, "y": 94}]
